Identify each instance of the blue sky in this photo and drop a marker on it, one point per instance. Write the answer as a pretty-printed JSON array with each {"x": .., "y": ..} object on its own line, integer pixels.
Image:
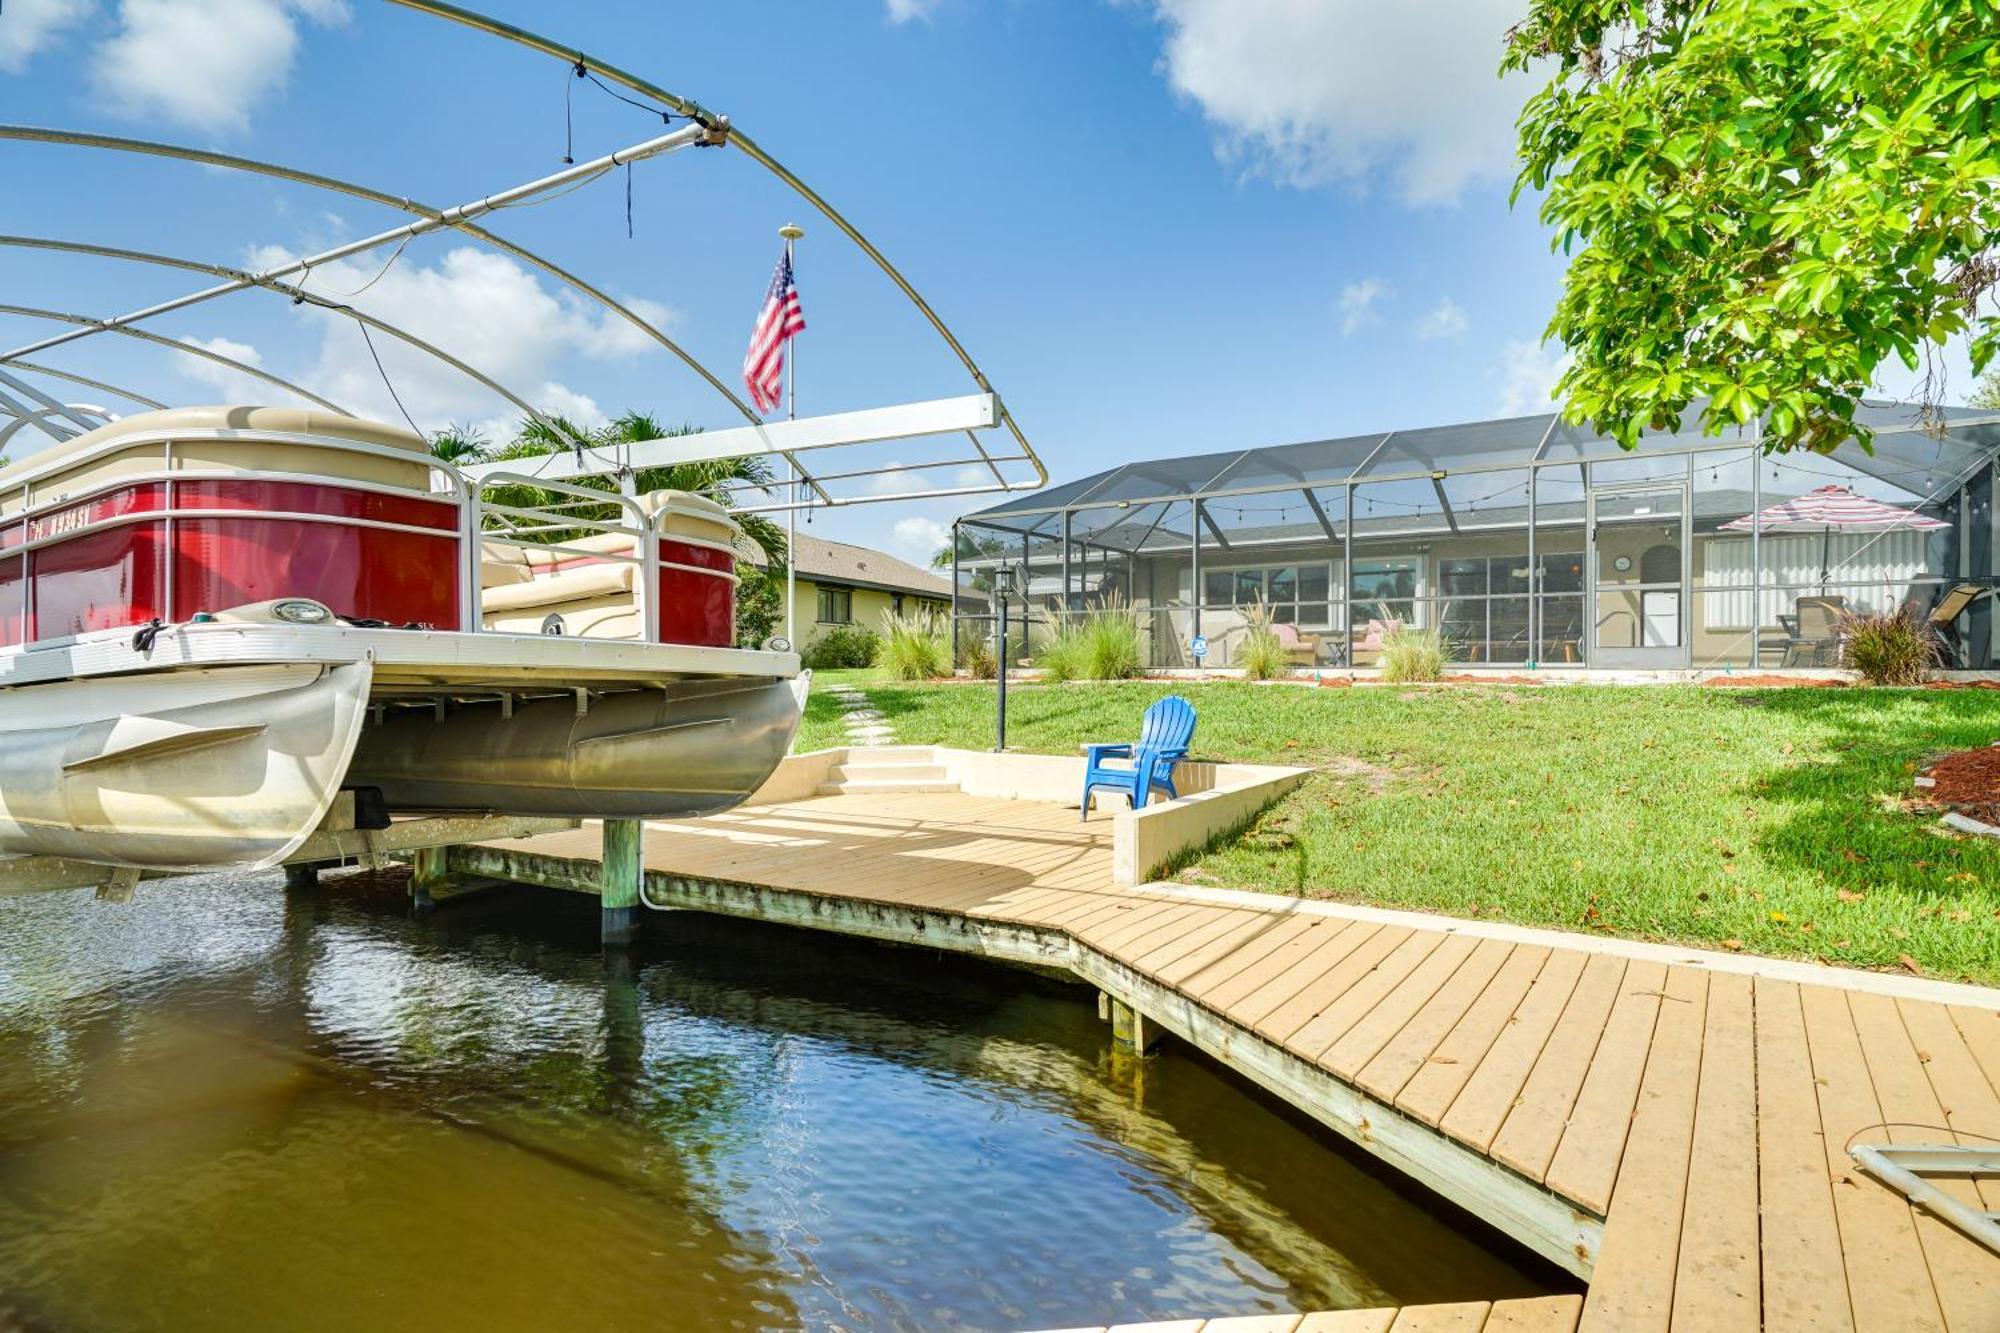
[{"x": 1162, "y": 226}]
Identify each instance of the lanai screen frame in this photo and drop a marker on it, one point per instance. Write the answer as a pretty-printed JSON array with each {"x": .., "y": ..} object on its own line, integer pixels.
[{"x": 1960, "y": 482}]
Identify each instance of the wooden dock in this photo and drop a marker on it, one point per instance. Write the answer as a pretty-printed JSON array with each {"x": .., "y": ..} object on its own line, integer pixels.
[{"x": 1670, "y": 1125}]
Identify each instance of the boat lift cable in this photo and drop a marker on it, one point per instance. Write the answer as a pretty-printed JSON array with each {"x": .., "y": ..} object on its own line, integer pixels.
[
  {"x": 299, "y": 295},
  {"x": 738, "y": 139},
  {"x": 190, "y": 349},
  {"x": 279, "y": 171}
]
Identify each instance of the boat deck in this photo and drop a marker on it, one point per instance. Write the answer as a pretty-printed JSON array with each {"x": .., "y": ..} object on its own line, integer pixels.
[{"x": 1691, "y": 1111}]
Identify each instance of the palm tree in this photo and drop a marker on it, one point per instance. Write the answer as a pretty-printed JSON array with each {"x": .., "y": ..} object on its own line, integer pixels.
[{"x": 460, "y": 445}]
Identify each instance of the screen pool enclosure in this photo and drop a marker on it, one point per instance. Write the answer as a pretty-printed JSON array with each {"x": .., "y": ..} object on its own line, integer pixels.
[{"x": 1526, "y": 541}]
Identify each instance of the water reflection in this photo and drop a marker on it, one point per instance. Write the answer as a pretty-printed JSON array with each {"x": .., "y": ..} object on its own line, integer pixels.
[{"x": 228, "y": 1106}]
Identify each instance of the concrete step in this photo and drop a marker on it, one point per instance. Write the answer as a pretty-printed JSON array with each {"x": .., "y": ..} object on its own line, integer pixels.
[
  {"x": 868, "y": 770},
  {"x": 877, "y": 787},
  {"x": 901, "y": 754}
]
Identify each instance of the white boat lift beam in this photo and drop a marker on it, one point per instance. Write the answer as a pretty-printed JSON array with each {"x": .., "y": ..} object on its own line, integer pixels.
[{"x": 966, "y": 415}]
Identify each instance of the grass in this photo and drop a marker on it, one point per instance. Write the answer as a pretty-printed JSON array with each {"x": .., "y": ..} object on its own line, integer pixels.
[{"x": 1764, "y": 820}]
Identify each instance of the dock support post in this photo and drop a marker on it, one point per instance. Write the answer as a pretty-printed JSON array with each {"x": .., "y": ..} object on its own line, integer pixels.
[
  {"x": 1130, "y": 1031},
  {"x": 301, "y": 876},
  {"x": 624, "y": 867},
  {"x": 427, "y": 872}
]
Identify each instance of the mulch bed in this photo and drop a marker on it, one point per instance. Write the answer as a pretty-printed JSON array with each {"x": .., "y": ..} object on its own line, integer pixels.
[
  {"x": 1968, "y": 781},
  {"x": 1772, "y": 682}
]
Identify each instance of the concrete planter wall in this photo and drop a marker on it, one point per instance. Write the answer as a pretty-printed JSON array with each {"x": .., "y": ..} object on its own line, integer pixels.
[{"x": 1215, "y": 798}]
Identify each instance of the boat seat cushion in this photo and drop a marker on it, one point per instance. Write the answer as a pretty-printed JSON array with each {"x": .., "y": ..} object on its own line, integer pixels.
[
  {"x": 592, "y": 618},
  {"x": 572, "y": 585},
  {"x": 499, "y": 573}
]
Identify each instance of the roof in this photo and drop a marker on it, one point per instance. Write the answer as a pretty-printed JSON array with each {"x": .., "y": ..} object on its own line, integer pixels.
[
  {"x": 1920, "y": 455},
  {"x": 826, "y": 561}
]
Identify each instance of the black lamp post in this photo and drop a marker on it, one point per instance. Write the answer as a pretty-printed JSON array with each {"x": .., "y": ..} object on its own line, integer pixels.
[{"x": 1003, "y": 592}]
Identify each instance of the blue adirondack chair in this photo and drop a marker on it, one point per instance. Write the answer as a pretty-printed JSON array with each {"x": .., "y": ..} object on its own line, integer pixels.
[{"x": 1163, "y": 742}]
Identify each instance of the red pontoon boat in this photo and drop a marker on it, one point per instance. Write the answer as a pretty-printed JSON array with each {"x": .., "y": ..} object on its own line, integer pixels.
[{"x": 213, "y": 619}]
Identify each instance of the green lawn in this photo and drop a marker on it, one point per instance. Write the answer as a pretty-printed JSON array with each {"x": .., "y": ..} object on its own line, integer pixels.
[{"x": 1764, "y": 820}]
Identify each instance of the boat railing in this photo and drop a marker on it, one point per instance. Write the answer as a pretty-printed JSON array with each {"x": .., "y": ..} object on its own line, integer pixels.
[
  {"x": 120, "y": 483},
  {"x": 547, "y": 526}
]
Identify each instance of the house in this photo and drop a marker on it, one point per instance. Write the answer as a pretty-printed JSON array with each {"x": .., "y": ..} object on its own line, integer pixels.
[
  {"x": 1523, "y": 541},
  {"x": 843, "y": 584}
]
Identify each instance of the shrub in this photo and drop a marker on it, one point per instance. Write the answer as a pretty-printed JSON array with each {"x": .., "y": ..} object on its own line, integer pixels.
[
  {"x": 843, "y": 647},
  {"x": 1098, "y": 645},
  {"x": 915, "y": 647},
  {"x": 1896, "y": 649},
  {"x": 975, "y": 654},
  {"x": 1409, "y": 653},
  {"x": 1261, "y": 656}
]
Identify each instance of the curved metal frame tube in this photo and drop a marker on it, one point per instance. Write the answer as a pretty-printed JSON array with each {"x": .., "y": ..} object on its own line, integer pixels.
[
  {"x": 693, "y": 110},
  {"x": 89, "y": 383},
  {"x": 297, "y": 294},
  {"x": 114, "y": 143},
  {"x": 62, "y": 317},
  {"x": 36, "y": 416}
]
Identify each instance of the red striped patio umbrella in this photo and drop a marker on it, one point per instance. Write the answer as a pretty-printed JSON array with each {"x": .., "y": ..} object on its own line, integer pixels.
[{"x": 1830, "y": 509}]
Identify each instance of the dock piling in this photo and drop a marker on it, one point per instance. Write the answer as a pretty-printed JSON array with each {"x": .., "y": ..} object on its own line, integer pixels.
[
  {"x": 624, "y": 868},
  {"x": 1130, "y": 1029},
  {"x": 427, "y": 872}
]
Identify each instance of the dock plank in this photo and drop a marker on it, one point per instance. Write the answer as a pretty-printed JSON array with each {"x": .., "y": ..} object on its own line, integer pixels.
[
  {"x": 1803, "y": 1276},
  {"x": 1593, "y": 1138},
  {"x": 1398, "y": 1060},
  {"x": 1716, "y": 1283},
  {"x": 1641, "y": 1250},
  {"x": 1535, "y": 1314},
  {"x": 1966, "y": 1273},
  {"x": 1887, "y": 1279},
  {"x": 1533, "y": 1127},
  {"x": 1443, "y": 1074}
]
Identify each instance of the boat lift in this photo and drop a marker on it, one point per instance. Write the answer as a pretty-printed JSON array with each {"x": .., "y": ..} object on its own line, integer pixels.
[{"x": 822, "y": 468}]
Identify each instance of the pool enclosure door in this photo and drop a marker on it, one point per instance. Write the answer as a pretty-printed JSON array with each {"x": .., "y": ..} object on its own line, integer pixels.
[{"x": 1639, "y": 576}]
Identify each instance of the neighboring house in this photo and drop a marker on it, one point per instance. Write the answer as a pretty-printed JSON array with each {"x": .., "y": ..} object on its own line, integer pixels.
[{"x": 840, "y": 584}]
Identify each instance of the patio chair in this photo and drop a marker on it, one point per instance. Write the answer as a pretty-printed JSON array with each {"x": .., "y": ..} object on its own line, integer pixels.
[
  {"x": 1164, "y": 735},
  {"x": 1944, "y": 617},
  {"x": 1815, "y": 639},
  {"x": 1302, "y": 649},
  {"x": 1368, "y": 648}
]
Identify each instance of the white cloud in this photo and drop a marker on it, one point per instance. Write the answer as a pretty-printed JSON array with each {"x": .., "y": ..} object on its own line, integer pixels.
[
  {"x": 28, "y": 26},
  {"x": 903, "y": 11},
  {"x": 1357, "y": 304},
  {"x": 1528, "y": 374},
  {"x": 921, "y": 537},
  {"x": 486, "y": 309},
  {"x": 895, "y": 479},
  {"x": 1309, "y": 92},
  {"x": 203, "y": 64},
  {"x": 234, "y": 385},
  {"x": 1447, "y": 319}
]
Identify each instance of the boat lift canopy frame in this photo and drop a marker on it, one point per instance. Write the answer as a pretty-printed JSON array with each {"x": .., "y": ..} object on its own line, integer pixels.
[{"x": 1013, "y": 467}]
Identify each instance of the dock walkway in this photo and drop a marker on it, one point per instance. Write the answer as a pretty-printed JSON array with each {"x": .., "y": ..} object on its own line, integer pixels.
[{"x": 1670, "y": 1125}]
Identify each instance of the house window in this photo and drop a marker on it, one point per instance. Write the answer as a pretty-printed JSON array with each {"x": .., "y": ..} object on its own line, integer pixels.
[
  {"x": 896, "y": 603},
  {"x": 836, "y": 606},
  {"x": 1294, "y": 594}
]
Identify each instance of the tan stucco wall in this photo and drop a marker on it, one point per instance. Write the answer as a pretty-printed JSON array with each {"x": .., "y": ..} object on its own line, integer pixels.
[{"x": 871, "y": 609}]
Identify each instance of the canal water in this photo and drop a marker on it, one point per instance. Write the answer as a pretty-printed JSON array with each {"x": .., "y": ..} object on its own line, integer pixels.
[{"x": 223, "y": 1106}]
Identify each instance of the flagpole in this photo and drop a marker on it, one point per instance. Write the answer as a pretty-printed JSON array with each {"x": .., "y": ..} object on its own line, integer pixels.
[{"x": 792, "y": 231}]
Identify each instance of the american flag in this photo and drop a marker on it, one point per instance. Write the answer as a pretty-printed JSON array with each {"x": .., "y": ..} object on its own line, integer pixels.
[{"x": 780, "y": 320}]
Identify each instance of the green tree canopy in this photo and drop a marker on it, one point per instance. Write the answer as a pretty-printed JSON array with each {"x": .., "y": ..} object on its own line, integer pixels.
[{"x": 1764, "y": 200}]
